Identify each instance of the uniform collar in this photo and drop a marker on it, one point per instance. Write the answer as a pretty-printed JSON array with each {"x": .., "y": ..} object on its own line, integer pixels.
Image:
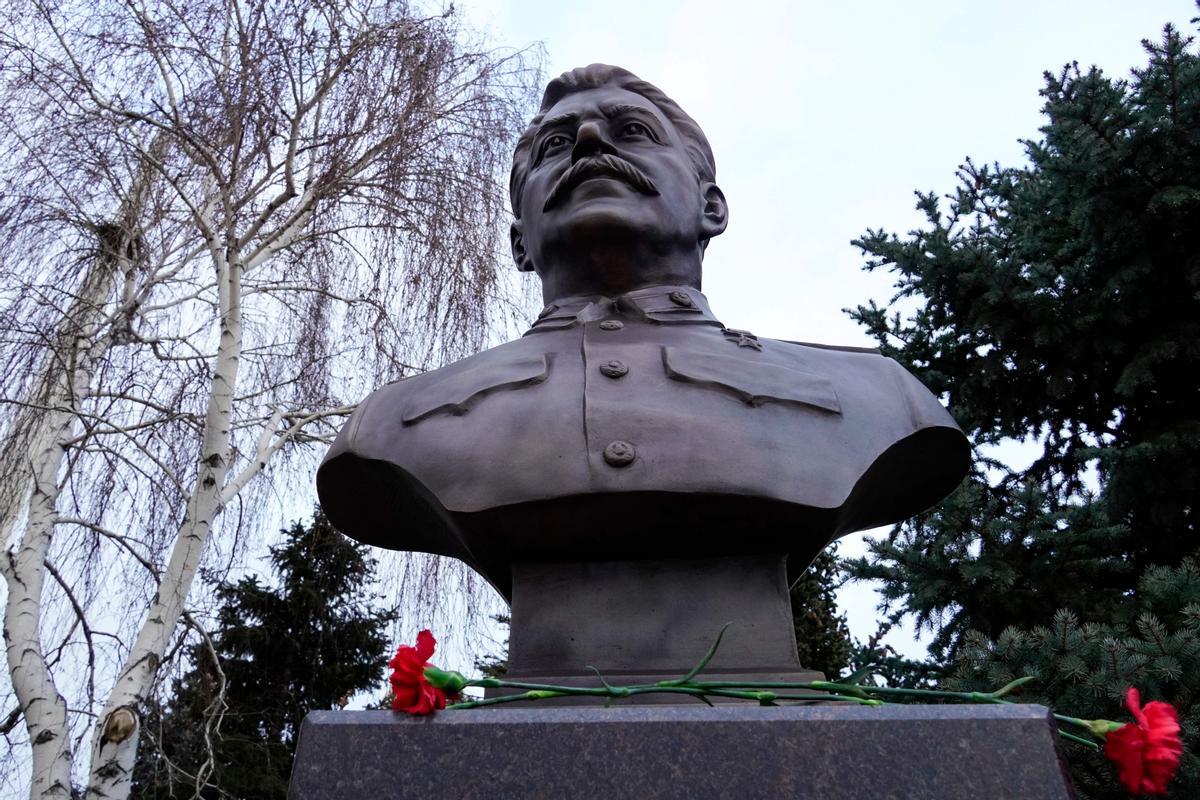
[{"x": 656, "y": 304}]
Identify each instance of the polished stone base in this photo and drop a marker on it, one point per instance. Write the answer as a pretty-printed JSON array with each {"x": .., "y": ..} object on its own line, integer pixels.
[{"x": 801, "y": 753}]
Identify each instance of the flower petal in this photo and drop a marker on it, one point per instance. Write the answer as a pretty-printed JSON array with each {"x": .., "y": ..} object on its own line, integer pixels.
[
  {"x": 425, "y": 645},
  {"x": 1133, "y": 701},
  {"x": 411, "y": 691},
  {"x": 1146, "y": 751}
]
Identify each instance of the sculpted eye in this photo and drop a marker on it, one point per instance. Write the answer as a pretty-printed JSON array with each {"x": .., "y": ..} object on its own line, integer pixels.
[
  {"x": 635, "y": 129},
  {"x": 554, "y": 141}
]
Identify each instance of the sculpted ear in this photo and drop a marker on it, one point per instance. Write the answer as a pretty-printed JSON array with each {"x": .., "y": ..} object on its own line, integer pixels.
[
  {"x": 518, "y": 248},
  {"x": 715, "y": 211}
]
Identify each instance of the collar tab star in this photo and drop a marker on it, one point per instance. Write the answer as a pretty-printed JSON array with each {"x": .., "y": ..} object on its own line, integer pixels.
[{"x": 742, "y": 338}]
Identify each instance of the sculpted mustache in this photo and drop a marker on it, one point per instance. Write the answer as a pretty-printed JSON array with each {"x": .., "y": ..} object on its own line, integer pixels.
[{"x": 606, "y": 166}]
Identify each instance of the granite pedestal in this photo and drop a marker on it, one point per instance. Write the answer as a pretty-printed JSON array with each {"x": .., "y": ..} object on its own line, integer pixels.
[{"x": 694, "y": 752}]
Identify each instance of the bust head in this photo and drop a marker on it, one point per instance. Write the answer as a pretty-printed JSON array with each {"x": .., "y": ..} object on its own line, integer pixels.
[{"x": 612, "y": 188}]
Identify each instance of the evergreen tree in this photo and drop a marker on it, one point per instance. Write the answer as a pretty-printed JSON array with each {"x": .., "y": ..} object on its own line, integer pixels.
[
  {"x": 1058, "y": 304},
  {"x": 822, "y": 637},
  {"x": 1080, "y": 668},
  {"x": 308, "y": 643}
]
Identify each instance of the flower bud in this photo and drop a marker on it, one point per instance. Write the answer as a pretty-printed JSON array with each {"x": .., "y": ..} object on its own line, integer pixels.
[
  {"x": 1102, "y": 727},
  {"x": 448, "y": 681}
]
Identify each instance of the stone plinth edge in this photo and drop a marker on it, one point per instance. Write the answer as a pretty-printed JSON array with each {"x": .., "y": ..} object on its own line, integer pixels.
[{"x": 801, "y": 753}]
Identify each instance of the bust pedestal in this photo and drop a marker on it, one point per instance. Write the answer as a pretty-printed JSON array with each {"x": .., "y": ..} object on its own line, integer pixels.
[{"x": 651, "y": 620}]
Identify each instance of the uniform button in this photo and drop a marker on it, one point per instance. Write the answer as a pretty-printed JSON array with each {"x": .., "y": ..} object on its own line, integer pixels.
[
  {"x": 682, "y": 299},
  {"x": 619, "y": 454},
  {"x": 611, "y": 325},
  {"x": 614, "y": 369}
]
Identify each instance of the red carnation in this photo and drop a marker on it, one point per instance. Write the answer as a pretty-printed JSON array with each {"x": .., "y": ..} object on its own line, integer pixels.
[
  {"x": 412, "y": 692},
  {"x": 1146, "y": 750}
]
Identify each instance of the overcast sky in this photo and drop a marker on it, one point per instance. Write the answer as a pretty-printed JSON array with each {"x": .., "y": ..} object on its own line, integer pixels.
[{"x": 825, "y": 117}]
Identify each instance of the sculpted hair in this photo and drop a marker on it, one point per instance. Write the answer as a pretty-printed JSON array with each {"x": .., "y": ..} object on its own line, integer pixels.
[{"x": 593, "y": 77}]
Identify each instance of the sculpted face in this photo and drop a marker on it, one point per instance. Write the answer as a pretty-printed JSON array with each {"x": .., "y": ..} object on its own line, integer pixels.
[{"x": 612, "y": 201}]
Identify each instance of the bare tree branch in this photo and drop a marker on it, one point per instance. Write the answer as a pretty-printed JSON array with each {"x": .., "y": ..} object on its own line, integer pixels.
[{"x": 225, "y": 222}]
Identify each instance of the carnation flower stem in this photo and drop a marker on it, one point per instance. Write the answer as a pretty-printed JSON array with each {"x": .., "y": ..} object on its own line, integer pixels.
[
  {"x": 496, "y": 683},
  {"x": 495, "y": 701},
  {"x": 1078, "y": 739},
  {"x": 1082, "y": 723},
  {"x": 970, "y": 697},
  {"x": 765, "y": 692},
  {"x": 741, "y": 691}
]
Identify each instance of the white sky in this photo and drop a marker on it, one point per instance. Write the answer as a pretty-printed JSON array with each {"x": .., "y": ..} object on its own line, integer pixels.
[{"x": 825, "y": 117}]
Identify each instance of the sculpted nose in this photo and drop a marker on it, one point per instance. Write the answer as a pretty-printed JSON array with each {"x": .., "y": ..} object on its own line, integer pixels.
[{"x": 591, "y": 140}]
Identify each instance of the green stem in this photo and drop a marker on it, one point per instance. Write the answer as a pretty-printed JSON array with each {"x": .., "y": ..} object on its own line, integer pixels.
[
  {"x": 1078, "y": 739},
  {"x": 746, "y": 689},
  {"x": 972, "y": 697},
  {"x": 496, "y": 683},
  {"x": 763, "y": 691},
  {"x": 1073, "y": 721},
  {"x": 750, "y": 684},
  {"x": 846, "y": 689},
  {"x": 835, "y": 697},
  {"x": 543, "y": 692},
  {"x": 493, "y": 701}
]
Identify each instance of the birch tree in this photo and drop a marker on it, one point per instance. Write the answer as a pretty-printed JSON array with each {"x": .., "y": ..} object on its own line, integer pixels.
[{"x": 220, "y": 222}]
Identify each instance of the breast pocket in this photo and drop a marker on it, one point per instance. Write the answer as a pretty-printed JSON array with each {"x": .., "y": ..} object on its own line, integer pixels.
[
  {"x": 471, "y": 382},
  {"x": 754, "y": 382}
]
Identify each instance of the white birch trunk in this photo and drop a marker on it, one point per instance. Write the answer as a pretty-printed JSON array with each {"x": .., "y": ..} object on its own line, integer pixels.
[
  {"x": 114, "y": 746},
  {"x": 380, "y": 174},
  {"x": 47, "y": 430},
  {"x": 41, "y": 433}
]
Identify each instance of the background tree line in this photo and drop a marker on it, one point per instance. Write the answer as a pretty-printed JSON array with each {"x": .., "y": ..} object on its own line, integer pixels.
[
  {"x": 311, "y": 638},
  {"x": 1057, "y": 304},
  {"x": 219, "y": 223}
]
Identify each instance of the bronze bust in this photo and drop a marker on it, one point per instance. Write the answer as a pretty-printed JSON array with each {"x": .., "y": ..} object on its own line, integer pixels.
[{"x": 629, "y": 424}]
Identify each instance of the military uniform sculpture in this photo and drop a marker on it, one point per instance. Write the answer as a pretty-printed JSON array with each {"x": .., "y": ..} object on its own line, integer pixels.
[{"x": 629, "y": 425}]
